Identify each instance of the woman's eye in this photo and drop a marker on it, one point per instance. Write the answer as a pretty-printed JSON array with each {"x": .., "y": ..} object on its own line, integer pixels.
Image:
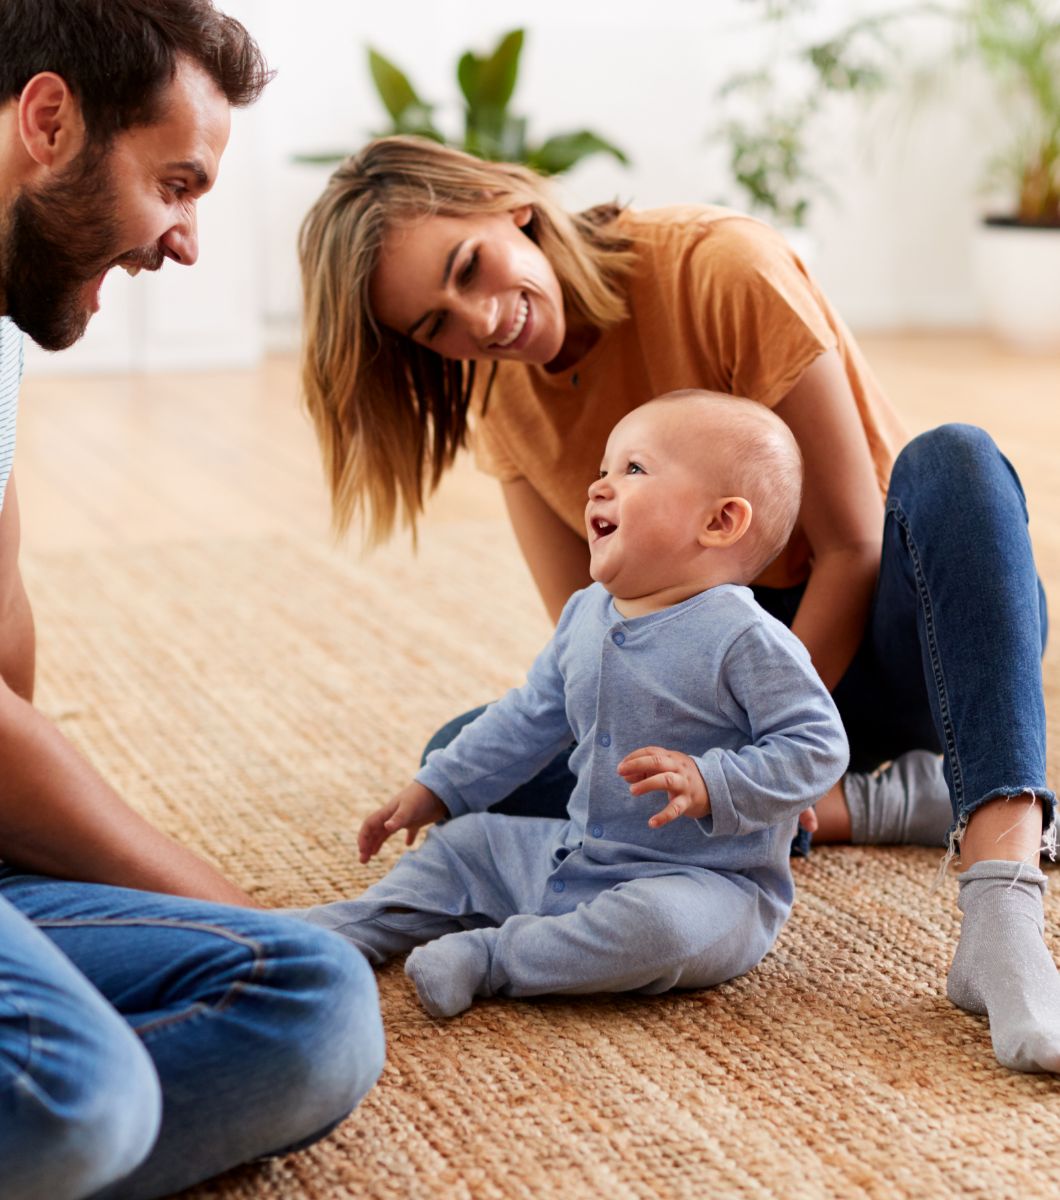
[
  {"x": 436, "y": 326},
  {"x": 468, "y": 273}
]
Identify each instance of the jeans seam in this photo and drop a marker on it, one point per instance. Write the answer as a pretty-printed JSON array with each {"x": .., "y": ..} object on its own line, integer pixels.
[
  {"x": 198, "y": 1008},
  {"x": 924, "y": 595}
]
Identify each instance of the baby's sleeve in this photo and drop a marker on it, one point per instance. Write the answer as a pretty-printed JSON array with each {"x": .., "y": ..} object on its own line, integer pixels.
[
  {"x": 797, "y": 748},
  {"x": 507, "y": 744}
]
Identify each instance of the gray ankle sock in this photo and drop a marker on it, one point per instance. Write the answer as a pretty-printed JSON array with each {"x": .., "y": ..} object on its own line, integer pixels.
[
  {"x": 449, "y": 972},
  {"x": 907, "y": 802},
  {"x": 1002, "y": 966}
]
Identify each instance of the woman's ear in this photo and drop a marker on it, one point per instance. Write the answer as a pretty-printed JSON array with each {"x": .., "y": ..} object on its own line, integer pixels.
[
  {"x": 523, "y": 215},
  {"x": 726, "y": 523}
]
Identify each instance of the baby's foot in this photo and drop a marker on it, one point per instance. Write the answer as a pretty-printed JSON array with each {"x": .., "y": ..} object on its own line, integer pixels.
[
  {"x": 449, "y": 972},
  {"x": 907, "y": 802},
  {"x": 1002, "y": 966}
]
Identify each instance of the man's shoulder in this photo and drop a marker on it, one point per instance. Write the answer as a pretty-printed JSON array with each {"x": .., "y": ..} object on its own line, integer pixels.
[
  {"x": 10, "y": 378},
  {"x": 10, "y": 357}
]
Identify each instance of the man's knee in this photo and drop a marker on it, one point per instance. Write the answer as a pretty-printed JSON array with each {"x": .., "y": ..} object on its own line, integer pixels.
[
  {"x": 85, "y": 1113},
  {"x": 334, "y": 1046}
]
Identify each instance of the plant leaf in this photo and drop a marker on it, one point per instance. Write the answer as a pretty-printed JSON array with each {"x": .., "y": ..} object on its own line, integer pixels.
[
  {"x": 499, "y": 72},
  {"x": 468, "y": 74},
  {"x": 561, "y": 152},
  {"x": 393, "y": 86}
]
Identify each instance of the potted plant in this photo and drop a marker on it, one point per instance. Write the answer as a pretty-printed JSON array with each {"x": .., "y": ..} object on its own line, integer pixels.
[
  {"x": 770, "y": 117},
  {"x": 491, "y": 130},
  {"x": 1017, "y": 250}
]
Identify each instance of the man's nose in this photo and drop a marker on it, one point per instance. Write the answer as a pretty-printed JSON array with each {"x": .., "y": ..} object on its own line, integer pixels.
[{"x": 181, "y": 242}]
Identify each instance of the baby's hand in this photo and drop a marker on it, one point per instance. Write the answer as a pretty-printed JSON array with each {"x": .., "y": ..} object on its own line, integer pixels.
[
  {"x": 412, "y": 808},
  {"x": 653, "y": 769}
]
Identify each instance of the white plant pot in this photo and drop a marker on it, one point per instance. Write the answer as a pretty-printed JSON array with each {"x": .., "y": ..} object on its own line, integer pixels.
[{"x": 1017, "y": 270}]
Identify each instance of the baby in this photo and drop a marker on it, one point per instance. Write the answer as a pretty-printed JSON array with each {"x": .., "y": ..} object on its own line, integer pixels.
[{"x": 671, "y": 680}]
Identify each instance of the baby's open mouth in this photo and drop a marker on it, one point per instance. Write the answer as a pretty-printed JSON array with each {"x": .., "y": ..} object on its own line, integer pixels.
[{"x": 602, "y": 528}]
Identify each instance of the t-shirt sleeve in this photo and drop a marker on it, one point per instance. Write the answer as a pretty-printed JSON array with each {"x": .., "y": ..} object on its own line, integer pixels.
[{"x": 763, "y": 321}]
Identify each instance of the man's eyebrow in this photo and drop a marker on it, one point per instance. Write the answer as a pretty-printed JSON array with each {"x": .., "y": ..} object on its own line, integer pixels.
[
  {"x": 193, "y": 167},
  {"x": 450, "y": 258}
]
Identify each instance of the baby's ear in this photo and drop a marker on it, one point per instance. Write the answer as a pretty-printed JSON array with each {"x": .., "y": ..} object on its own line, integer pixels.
[{"x": 726, "y": 523}]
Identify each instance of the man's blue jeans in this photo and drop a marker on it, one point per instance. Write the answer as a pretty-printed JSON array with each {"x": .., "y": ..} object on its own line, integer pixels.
[
  {"x": 951, "y": 658},
  {"x": 148, "y": 1042}
]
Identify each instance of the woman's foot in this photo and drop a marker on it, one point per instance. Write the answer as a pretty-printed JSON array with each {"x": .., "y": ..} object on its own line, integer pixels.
[
  {"x": 907, "y": 802},
  {"x": 1003, "y": 968}
]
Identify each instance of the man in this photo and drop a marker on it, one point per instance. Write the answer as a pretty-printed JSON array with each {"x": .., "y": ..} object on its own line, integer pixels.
[{"x": 149, "y": 1038}]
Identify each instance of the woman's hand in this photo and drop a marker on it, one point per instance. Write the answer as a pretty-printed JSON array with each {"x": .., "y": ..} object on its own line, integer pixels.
[
  {"x": 654, "y": 769},
  {"x": 412, "y": 808}
]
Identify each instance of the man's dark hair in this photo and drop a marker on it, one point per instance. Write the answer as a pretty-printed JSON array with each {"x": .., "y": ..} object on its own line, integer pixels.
[{"x": 119, "y": 56}]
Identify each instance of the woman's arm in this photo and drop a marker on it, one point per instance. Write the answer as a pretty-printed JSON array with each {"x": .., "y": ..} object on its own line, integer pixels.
[
  {"x": 558, "y": 559},
  {"x": 842, "y": 515}
]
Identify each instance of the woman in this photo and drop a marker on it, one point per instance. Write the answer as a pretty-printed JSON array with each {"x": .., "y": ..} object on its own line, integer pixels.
[{"x": 422, "y": 264}]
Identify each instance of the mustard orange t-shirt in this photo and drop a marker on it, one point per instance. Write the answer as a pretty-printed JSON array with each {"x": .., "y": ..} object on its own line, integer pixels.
[{"x": 716, "y": 300}]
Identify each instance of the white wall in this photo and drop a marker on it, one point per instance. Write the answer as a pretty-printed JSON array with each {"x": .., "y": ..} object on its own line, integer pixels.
[{"x": 893, "y": 249}]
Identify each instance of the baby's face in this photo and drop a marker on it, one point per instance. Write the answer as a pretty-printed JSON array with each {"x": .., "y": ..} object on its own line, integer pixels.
[{"x": 650, "y": 504}]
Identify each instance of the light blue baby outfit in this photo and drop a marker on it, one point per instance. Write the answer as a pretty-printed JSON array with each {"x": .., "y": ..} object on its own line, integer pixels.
[{"x": 602, "y": 902}]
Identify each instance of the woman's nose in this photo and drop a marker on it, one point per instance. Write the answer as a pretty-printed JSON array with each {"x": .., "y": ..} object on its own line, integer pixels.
[{"x": 480, "y": 315}]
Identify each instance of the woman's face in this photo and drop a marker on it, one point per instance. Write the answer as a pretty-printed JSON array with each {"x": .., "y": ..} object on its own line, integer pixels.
[{"x": 471, "y": 288}]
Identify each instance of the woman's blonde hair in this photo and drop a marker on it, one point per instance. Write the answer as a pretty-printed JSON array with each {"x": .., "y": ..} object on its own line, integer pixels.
[{"x": 390, "y": 414}]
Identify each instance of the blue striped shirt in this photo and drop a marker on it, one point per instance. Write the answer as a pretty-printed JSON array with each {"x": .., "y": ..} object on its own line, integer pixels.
[{"x": 10, "y": 378}]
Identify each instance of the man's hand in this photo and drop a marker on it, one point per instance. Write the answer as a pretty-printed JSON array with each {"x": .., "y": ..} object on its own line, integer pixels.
[
  {"x": 653, "y": 769},
  {"x": 412, "y": 808}
]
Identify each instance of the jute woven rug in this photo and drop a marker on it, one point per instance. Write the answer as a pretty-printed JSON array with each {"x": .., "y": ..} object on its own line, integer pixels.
[{"x": 256, "y": 699}]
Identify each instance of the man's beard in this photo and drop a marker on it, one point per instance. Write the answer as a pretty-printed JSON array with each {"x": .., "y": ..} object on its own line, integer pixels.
[{"x": 54, "y": 242}]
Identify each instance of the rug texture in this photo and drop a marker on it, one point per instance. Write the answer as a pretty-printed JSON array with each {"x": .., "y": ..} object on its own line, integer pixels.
[{"x": 257, "y": 699}]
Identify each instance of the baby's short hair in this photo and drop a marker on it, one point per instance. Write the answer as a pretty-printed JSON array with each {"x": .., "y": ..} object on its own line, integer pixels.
[{"x": 756, "y": 456}]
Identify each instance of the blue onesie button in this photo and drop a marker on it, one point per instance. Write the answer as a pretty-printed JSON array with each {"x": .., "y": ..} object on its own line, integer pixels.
[
  {"x": 618, "y": 638},
  {"x": 597, "y": 831},
  {"x": 558, "y": 885},
  {"x": 605, "y": 739}
]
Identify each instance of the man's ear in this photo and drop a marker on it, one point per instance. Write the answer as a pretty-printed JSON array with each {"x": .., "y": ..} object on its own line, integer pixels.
[
  {"x": 49, "y": 120},
  {"x": 726, "y": 523}
]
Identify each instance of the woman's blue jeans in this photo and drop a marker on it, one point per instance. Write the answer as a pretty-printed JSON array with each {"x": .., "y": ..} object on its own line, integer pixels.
[
  {"x": 951, "y": 658},
  {"x": 148, "y": 1042}
]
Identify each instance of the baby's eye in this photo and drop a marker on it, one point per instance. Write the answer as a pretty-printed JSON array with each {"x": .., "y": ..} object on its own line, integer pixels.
[
  {"x": 634, "y": 468},
  {"x": 601, "y": 474}
]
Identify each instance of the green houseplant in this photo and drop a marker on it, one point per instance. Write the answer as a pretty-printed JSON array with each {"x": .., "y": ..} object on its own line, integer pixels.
[
  {"x": 1017, "y": 249},
  {"x": 1016, "y": 43},
  {"x": 770, "y": 119},
  {"x": 490, "y": 129}
]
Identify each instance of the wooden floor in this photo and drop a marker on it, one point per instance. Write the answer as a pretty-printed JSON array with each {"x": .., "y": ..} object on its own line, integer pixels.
[{"x": 111, "y": 461}]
